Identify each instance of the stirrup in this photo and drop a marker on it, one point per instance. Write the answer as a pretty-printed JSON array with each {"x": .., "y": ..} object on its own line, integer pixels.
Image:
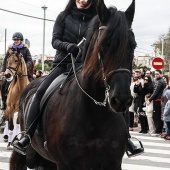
[
  {"x": 133, "y": 154},
  {"x": 19, "y": 149}
]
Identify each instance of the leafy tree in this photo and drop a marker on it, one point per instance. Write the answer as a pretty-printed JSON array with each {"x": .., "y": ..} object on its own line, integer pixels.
[
  {"x": 49, "y": 63},
  {"x": 39, "y": 67},
  {"x": 166, "y": 48}
]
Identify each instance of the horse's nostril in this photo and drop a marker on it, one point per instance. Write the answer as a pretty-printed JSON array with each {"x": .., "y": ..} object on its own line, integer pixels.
[{"x": 8, "y": 75}]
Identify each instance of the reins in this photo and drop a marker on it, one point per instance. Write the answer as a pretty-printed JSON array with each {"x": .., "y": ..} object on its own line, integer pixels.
[
  {"x": 107, "y": 87},
  {"x": 16, "y": 68}
]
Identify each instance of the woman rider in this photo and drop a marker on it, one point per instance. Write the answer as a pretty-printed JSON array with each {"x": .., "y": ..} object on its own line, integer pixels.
[
  {"x": 70, "y": 27},
  {"x": 17, "y": 39}
]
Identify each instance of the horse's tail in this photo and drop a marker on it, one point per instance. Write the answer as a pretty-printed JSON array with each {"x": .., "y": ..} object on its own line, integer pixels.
[{"x": 17, "y": 161}]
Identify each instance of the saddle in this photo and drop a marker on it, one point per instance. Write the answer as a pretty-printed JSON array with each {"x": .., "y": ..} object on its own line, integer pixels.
[{"x": 57, "y": 84}]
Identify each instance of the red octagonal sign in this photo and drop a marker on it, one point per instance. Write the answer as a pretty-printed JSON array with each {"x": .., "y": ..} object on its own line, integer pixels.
[{"x": 158, "y": 63}]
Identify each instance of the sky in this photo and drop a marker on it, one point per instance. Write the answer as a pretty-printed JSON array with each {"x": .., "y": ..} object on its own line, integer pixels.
[{"x": 151, "y": 20}]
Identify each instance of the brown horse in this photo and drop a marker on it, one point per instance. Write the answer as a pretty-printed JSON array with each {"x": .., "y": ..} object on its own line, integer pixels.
[
  {"x": 77, "y": 130},
  {"x": 16, "y": 72}
]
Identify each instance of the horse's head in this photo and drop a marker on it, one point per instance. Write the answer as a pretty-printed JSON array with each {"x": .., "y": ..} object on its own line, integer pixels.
[
  {"x": 111, "y": 52},
  {"x": 13, "y": 64}
]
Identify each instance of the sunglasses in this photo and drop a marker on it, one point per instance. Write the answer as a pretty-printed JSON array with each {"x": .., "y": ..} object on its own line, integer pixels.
[
  {"x": 156, "y": 73},
  {"x": 146, "y": 79},
  {"x": 16, "y": 39}
]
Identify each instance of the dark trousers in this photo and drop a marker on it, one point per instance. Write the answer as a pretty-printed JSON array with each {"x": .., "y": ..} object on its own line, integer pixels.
[
  {"x": 144, "y": 123},
  {"x": 34, "y": 109},
  {"x": 168, "y": 126},
  {"x": 4, "y": 90},
  {"x": 131, "y": 119},
  {"x": 48, "y": 80},
  {"x": 157, "y": 117}
]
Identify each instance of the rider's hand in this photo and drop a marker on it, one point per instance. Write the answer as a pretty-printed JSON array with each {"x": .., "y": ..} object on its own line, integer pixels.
[{"x": 73, "y": 48}]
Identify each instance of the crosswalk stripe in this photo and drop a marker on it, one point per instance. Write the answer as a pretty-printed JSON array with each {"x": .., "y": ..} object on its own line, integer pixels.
[
  {"x": 149, "y": 158},
  {"x": 164, "y": 145},
  {"x": 158, "y": 151},
  {"x": 3, "y": 144},
  {"x": 141, "y": 167},
  {"x": 4, "y": 166},
  {"x": 145, "y": 136},
  {"x": 156, "y": 156},
  {"x": 5, "y": 154}
]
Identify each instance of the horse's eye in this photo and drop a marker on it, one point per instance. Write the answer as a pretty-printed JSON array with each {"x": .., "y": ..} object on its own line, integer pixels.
[{"x": 16, "y": 61}]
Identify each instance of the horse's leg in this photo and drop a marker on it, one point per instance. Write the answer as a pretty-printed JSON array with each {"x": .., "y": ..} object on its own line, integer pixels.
[
  {"x": 17, "y": 161},
  {"x": 11, "y": 128},
  {"x": 16, "y": 125},
  {"x": 36, "y": 161}
]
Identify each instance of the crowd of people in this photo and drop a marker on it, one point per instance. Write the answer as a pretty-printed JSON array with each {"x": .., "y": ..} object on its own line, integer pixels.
[{"x": 151, "y": 102}]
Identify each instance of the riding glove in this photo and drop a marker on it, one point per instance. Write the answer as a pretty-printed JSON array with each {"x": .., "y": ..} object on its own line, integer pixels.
[{"x": 72, "y": 48}]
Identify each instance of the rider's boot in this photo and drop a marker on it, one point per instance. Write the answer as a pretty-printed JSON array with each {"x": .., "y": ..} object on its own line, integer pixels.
[
  {"x": 133, "y": 150},
  {"x": 22, "y": 145}
]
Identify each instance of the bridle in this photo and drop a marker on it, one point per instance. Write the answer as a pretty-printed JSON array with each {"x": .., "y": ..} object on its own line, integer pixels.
[
  {"x": 107, "y": 87},
  {"x": 11, "y": 69}
]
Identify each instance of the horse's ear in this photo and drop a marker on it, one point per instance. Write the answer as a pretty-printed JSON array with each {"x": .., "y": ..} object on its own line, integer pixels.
[
  {"x": 130, "y": 12},
  {"x": 10, "y": 51},
  {"x": 102, "y": 11}
]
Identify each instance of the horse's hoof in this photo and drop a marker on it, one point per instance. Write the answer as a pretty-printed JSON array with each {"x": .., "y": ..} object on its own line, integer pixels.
[{"x": 5, "y": 138}]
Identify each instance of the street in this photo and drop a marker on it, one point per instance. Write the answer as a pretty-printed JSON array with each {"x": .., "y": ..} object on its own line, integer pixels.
[{"x": 156, "y": 156}]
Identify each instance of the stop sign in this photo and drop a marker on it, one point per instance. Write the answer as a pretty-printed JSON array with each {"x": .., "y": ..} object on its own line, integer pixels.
[{"x": 158, "y": 63}]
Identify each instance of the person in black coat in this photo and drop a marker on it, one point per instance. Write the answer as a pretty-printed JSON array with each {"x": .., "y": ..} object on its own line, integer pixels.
[
  {"x": 70, "y": 27},
  {"x": 17, "y": 38},
  {"x": 156, "y": 97}
]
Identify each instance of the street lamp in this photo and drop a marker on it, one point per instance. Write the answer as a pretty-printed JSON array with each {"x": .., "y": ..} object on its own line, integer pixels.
[{"x": 44, "y": 8}]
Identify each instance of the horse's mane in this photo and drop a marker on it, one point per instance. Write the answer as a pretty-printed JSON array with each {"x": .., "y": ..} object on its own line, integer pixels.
[{"x": 111, "y": 43}]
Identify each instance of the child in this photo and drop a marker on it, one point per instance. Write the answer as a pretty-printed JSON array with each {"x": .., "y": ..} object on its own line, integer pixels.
[
  {"x": 149, "y": 113},
  {"x": 166, "y": 114}
]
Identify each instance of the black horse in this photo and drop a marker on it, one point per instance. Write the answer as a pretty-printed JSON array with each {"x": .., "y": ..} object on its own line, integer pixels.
[{"x": 84, "y": 127}]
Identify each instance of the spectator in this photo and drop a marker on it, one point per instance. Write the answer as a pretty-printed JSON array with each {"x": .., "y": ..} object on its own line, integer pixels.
[
  {"x": 163, "y": 103},
  {"x": 69, "y": 28},
  {"x": 141, "y": 95},
  {"x": 169, "y": 77},
  {"x": 39, "y": 73},
  {"x": 156, "y": 97},
  {"x": 142, "y": 72},
  {"x": 149, "y": 113},
  {"x": 132, "y": 107},
  {"x": 166, "y": 114},
  {"x": 148, "y": 73}
]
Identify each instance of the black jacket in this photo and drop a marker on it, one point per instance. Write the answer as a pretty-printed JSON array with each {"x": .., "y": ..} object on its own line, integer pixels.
[
  {"x": 26, "y": 54},
  {"x": 72, "y": 30},
  {"x": 141, "y": 96},
  {"x": 158, "y": 89}
]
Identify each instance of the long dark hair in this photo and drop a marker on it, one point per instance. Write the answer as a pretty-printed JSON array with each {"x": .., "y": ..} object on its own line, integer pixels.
[
  {"x": 149, "y": 85},
  {"x": 72, "y": 3}
]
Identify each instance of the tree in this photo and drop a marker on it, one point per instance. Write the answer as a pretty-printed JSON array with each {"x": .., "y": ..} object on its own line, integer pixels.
[
  {"x": 166, "y": 48},
  {"x": 39, "y": 67}
]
